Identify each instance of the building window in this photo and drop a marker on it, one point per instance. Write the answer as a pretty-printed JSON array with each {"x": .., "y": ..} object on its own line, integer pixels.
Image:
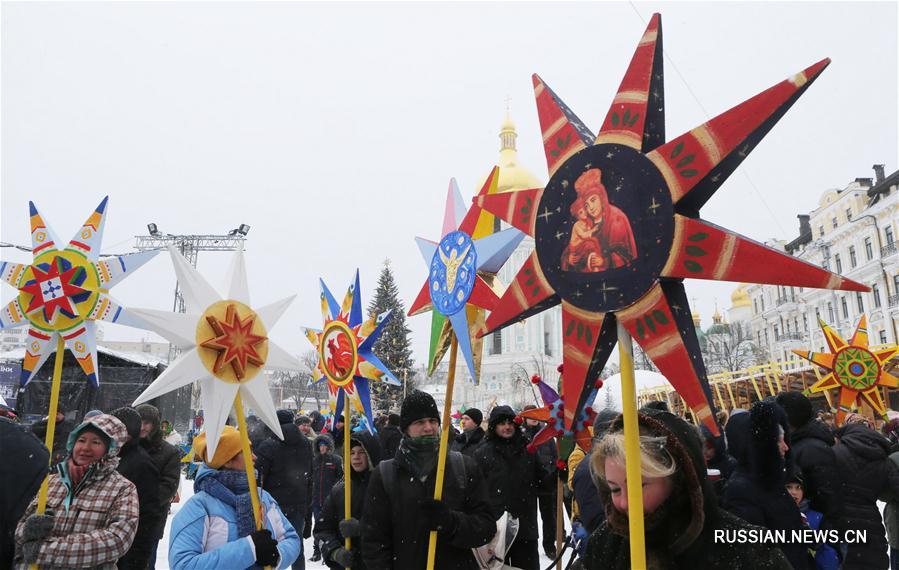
[
  {"x": 760, "y": 338},
  {"x": 888, "y": 234},
  {"x": 845, "y": 306},
  {"x": 833, "y": 222},
  {"x": 776, "y": 332},
  {"x": 497, "y": 342},
  {"x": 830, "y": 312},
  {"x": 755, "y": 306},
  {"x": 875, "y": 292},
  {"x": 883, "y": 337},
  {"x": 869, "y": 249},
  {"x": 766, "y": 336},
  {"x": 546, "y": 348},
  {"x": 838, "y": 263},
  {"x": 860, "y": 303},
  {"x": 817, "y": 315},
  {"x": 762, "y": 301},
  {"x": 805, "y": 321},
  {"x": 853, "y": 261},
  {"x": 849, "y": 214},
  {"x": 896, "y": 284},
  {"x": 820, "y": 231}
]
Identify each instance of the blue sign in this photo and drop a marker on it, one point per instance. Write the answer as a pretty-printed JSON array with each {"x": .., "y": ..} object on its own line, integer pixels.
[{"x": 453, "y": 272}]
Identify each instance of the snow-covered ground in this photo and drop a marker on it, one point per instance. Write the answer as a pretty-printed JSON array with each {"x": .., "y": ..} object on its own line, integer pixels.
[{"x": 187, "y": 490}]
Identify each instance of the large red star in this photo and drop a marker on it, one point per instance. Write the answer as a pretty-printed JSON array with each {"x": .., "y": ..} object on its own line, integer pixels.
[
  {"x": 235, "y": 342},
  {"x": 52, "y": 291}
]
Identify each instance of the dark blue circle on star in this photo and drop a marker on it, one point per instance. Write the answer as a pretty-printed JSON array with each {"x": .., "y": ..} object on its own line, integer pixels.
[
  {"x": 453, "y": 272},
  {"x": 856, "y": 368},
  {"x": 604, "y": 228}
]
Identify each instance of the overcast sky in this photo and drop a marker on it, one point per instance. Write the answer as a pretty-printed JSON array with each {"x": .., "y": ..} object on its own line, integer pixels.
[{"x": 333, "y": 129}]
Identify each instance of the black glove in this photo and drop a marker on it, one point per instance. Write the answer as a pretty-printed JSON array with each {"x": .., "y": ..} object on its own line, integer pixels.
[
  {"x": 30, "y": 550},
  {"x": 38, "y": 527},
  {"x": 349, "y": 528},
  {"x": 437, "y": 515},
  {"x": 345, "y": 558},
  {"x": 266, "y": 548}
]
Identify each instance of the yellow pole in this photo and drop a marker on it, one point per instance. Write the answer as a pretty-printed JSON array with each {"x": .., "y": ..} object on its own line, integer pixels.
[
  {"x": 248, "y": 461},
  {"x": 51, "y": 422},
  {"x": 444, "y": 440},
  {"x": 347, "y": 468},
  {"x": 632, "y": 450}
]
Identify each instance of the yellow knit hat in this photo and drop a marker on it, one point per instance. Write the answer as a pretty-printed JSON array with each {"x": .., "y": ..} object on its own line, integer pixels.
[{"x": 228, "y": 447}]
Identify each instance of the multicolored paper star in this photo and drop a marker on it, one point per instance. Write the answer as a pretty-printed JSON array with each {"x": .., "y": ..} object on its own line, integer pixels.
[
  {"x": 345, "y": 347},
  {"x": 225, "y": 347},
  {"x": 854, "y": 369},
  {"x": 65, "y": 291},
  {"x": 553, "y": 413},
  {"x": 617, "y": 227},
  {"x": 462, "y": 282}
]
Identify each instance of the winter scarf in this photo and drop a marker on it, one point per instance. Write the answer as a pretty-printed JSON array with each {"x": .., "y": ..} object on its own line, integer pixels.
[
  {"x": 76, "y": 472},
  {"x": 420, "y": 454},
  {"x": 231, "y": 488}
]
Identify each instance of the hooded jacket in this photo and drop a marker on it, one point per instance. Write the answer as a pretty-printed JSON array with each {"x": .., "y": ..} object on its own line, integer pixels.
[
  {"x": 868, "y": 475},
  {"x": 285, "y": 468},
  {"x": 514, "y": 476},
  {"x": 204, "y": 533},
  {"x": 680, "y": 533},
  {"x": 756, "y": 492},
  {"x": 813, "y": 455},
  {"x": 327, "y": 532},
  {"x": 327, "y": 470},
  {"x": 95, "y": 521}
]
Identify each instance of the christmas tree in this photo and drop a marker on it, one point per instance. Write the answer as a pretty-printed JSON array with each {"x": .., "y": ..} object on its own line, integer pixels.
[{"x": 393, "y": 348}]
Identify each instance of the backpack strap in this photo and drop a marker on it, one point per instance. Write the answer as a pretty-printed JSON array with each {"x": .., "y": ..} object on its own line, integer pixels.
[
  {"x": 457, "y": 463},
  {"x": 388, "y": 477}
]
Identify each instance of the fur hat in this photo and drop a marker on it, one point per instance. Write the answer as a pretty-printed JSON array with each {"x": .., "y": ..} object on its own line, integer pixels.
[
  {"x": 499, "y": 414},
  {"x": 149, "y": 413},
  {"x": 475, "y": 414},
  {"x": 131, "y": 419},
  {"x": 797, "y": 406},
  {"x": 228, "y": 447},
  {"x": 302, "y": 420},
  {"x": 418, "y": 405},
  {"x": 393, "y": 420}
]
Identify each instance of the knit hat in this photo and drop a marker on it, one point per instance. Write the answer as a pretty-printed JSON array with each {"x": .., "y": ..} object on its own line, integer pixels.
[
  {"x": 285, "y": 417},
  {"x": 475, "y": 414},
  {"x": 149, "y": 413},
  {"x": 302, "y": 420},
  {"x": 797, "y": 406},
  {"x": 417, "y": 406},
  {"x": 393, "y": 420},
  {"x": 131, "y": 419},
  {"x": 228, "y": 447},
  {"x": 499, "y": 414},
  {"x": 91, "y": 414},
  {"x": 603, "y": 422}
]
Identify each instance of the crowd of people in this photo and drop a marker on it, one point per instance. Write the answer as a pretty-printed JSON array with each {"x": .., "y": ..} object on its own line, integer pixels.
[{"x": 776, "y": 467}]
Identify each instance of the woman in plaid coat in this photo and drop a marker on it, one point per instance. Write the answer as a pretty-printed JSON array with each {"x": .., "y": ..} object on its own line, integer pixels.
[{"x": 92, "y": 511}]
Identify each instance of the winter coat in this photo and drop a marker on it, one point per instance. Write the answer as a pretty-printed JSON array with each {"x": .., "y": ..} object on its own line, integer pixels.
[
  {"x": 60, "y": 436},
  {"x": 891, "y": 512},
  {"x": 168, "y": 463},
  {"x": 546, "y": 459},
  {"x": 513, "y": 479},
  {"x": 756, "y": 491},
  {"x": 393, "y": 536},
  {"x": 21, "y": 480},
  {"x": 136, "y": 466},
  {"x": 590, "y": 509},
  {"x": 681, "y": 532},
  {"x": 812, "y": 450},
  {"x": 327, "y": 470},
  {"x": 327, "y": 532},
  {"x": 94, "y": 523},
  {"x": 285, "y": 469},
  {"x": 868, "y": 475},
  {"x": 467, "y": 441},
  {"x": 204, "y": 533},
  {"x": 390, "y": 437}
]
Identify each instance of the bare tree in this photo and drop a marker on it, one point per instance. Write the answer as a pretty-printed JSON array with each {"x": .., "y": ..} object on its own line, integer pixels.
[
  {"x": 300, "y": 385},
  {"x": 731, "y": 347}
]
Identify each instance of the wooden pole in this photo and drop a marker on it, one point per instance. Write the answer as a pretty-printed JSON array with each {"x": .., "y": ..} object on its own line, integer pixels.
[
  {"x": 560, "y": 506},
  {"x": 51, "y": 422},
  {"x": 444, "y": 441},
  {"x": 347, "y": 468},
  {"x": 632, "y": 450},
  {"x": 248, "y": 461}
]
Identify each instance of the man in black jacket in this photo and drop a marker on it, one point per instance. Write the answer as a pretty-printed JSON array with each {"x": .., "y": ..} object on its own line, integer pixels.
[
  {"x": 546, "y": 493},
  {"x": 811, "y": 444},
  {"x": 167, "y": 460},
  {"x": 472, "y": 433},
  {"x": 390, "y": 436},
  {"x": 514, "y": 477},
  {"x": 21, "y": 481},
  {"x": 136, "y": 466},
  {"x": 400, "y": 511},
  {"x": 285, "y": 469},
  {"x": 331, "y": 528}
]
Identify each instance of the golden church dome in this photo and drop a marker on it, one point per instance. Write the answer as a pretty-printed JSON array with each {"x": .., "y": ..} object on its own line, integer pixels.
[
  {"x": 512, "y": 175},
  {"x": 740, "y": 297}
]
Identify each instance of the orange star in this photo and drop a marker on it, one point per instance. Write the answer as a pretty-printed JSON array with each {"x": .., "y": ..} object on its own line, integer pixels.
[{"x": 235, "y": 342}]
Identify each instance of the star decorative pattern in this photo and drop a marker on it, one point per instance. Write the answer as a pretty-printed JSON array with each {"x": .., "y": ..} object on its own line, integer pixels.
[
  {"x": 64, "y": 292},
  {"x": 634, "y": 233},
  {"x": 345, "y": 348},
  {"x": 225, "y": 347},
  {"x": 853, "y": 369},
  {"x": 234, "y": 341},
  {"x": 462, "y": 283},
  {"x": 553, "y": 414}
]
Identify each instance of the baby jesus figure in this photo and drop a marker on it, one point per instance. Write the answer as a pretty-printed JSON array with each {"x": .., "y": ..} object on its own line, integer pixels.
[{"x": 583, "y": 249}]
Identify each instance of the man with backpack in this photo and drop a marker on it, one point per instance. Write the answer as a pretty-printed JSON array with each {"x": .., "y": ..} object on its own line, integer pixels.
[{"x": 400, "y": 511}]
